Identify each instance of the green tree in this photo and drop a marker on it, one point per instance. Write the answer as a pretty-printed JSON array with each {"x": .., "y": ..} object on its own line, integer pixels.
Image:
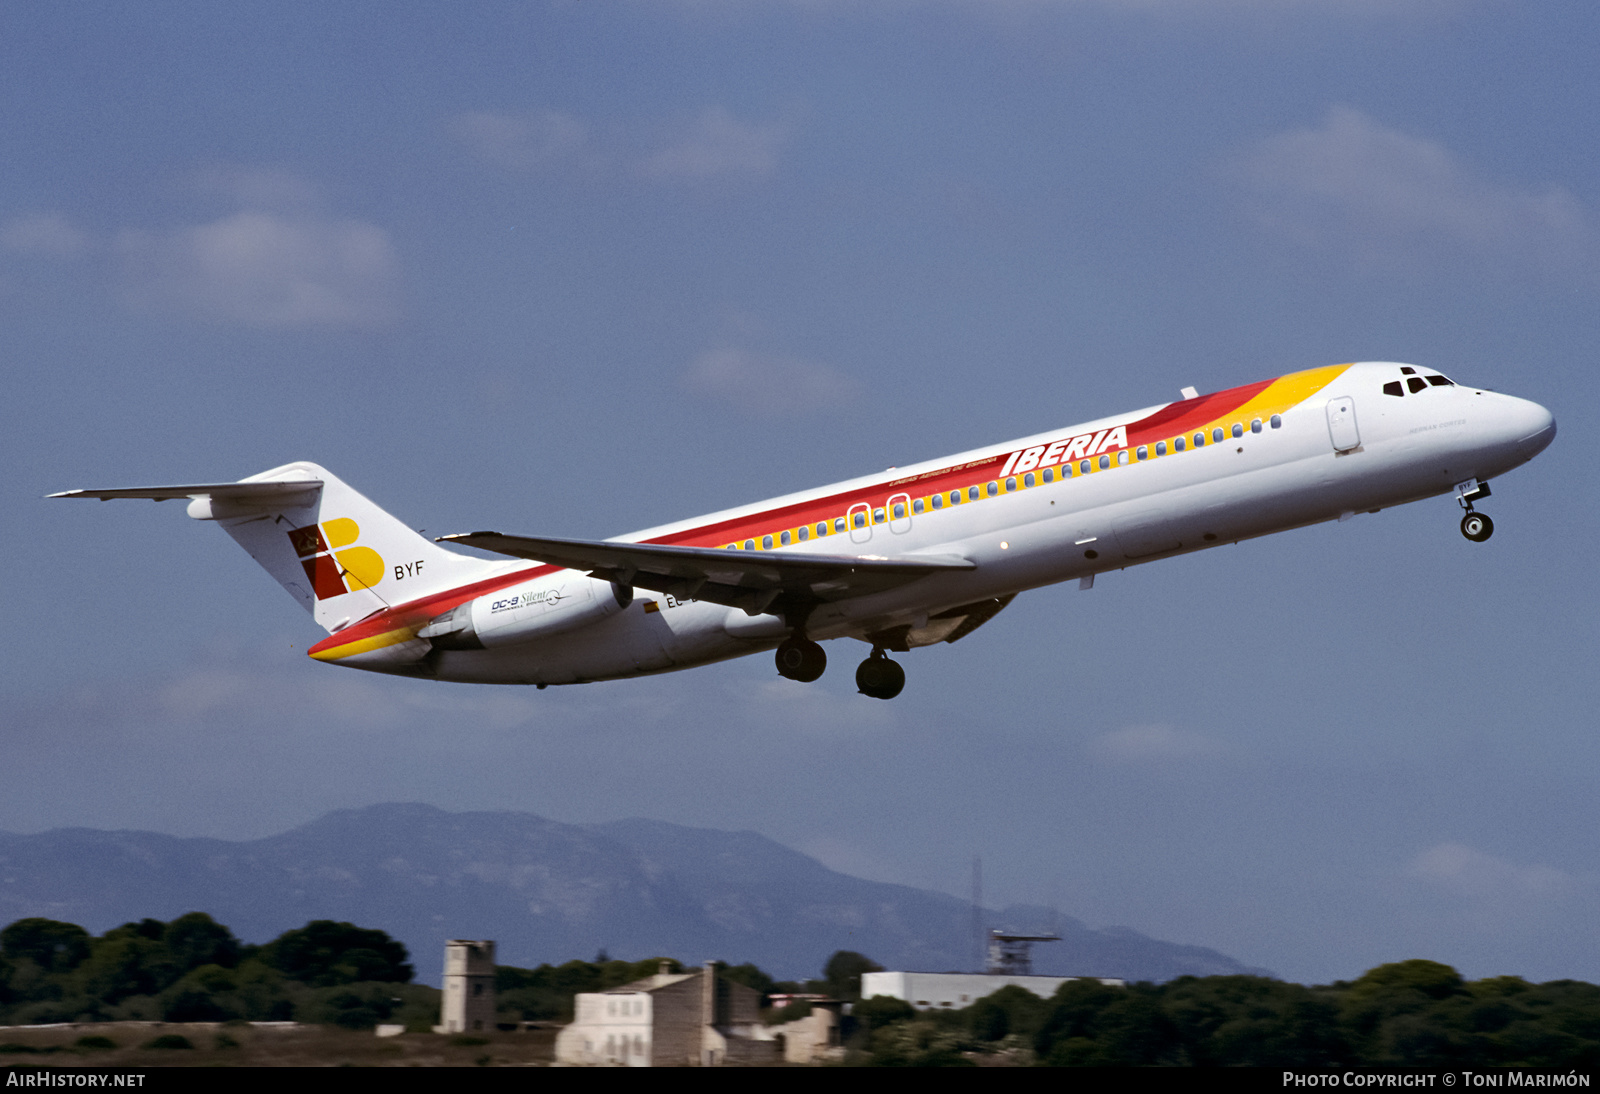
[
  {"x": 1409, "y": 1013},
  {"x": 324, "y": 953},
  {"x": 1010, "y": 1011},
  {"x": 881, "y": 1011},
  {"x": 51, "y": 945},
  {"x": 843, "y": 973},
  {"x": 751, "y": 977},
  {"x": 196, "y": 939}
]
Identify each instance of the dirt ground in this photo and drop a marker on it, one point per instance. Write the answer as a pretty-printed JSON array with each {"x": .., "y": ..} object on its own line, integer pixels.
[{"x": 146, "y": 1045}]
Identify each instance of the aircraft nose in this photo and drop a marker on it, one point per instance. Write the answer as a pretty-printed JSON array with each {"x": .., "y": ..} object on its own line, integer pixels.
[{"x": 1536, "y": 428}]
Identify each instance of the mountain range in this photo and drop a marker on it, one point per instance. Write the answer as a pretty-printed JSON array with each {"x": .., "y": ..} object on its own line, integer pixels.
[{"x": 546, "y": 892}]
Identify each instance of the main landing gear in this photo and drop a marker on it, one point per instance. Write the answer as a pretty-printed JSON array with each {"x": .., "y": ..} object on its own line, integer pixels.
[
  {"x": 1475, "y": 526},
  {"x": 880, "y": 677},
  {"x": 801, "y": 659}
]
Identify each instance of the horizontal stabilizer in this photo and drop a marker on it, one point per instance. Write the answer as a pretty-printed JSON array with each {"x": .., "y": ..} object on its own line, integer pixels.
[
  {"x": 265, "y": 493},
  {"x": 753, "y": 580}
]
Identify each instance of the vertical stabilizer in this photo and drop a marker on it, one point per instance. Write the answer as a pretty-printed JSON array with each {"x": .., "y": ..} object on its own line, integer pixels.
[{"x": 337, "y": 553}]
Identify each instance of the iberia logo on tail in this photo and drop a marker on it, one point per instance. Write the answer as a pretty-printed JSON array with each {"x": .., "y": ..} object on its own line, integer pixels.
[{"x": 332, "y": 564}]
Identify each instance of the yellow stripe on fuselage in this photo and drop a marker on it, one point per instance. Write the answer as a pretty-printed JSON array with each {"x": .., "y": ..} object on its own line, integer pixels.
[
  {"x": 1282, "y": 394},
  {"x": 367, "y": 645}
]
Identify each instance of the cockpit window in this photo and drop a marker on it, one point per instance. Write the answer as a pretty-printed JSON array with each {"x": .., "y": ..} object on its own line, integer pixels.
[
  {"x": 1407, "y": 370},
  {"x": 1416, "y": 383},
  {"x": 1393, "y": 388},
  {"x": 1441, "y": 381}
]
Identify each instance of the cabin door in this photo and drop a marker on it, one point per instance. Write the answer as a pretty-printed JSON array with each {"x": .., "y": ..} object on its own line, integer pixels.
[{"x": 1342, "y": 424}]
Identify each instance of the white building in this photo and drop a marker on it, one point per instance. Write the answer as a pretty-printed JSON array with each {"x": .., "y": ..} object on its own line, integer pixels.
[
  {"x": 468, "y": 999},
  {"x": 668, "y": 1020},
  {"x": 954, "y": 990}
]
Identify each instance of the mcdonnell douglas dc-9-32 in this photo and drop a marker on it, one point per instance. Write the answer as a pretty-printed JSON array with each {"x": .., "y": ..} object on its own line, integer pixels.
[{"x": 906, "y": 558}]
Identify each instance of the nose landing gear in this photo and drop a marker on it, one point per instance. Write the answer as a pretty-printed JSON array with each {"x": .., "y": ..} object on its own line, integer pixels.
[
  {"x": 1475, "y": 526},
  {"x": 879, "y": 677},
  {"x": 801, "y": 659}
]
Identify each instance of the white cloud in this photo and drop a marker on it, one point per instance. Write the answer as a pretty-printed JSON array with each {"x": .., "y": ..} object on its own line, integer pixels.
[
  {"x": 718, "y": 145},
  {"x": 279, "y": 260},
  {"x": 1150, "y": 744},
  {"x": 50, "y": 235},
  {"x": 712, "y": 145},
  {"x": 1393, "y": 198},
  {"x": 1470, "y": 873},
  {"x": 768, "y": 385},
  {"x": 266, "y": 269},
  {"x": 259, "y": 187},
  {"x": 530, "y": 141}
]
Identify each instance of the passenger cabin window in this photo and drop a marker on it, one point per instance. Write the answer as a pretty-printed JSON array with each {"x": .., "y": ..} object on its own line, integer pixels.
[
  {"x": 1199, "y": 440},
  {"x": 1416, "y": 384},
  {"x": 1178, "y": 444},
  {"x": 1122, "y": 458},
  {"x": 1255, "y": 426},
  {"x": 1238, "y": 431},
  {"x": 1216, "y": 435},
  {"x": 1277, "y": 420},
  {"x": 1161, "y": 448},
  {"x": 938, "y": 501},
  {"x": 1083, "y": 467},
  {"x": 1105, "y": 462},
  {"x": 917, "y": 506},
  {"x": 992, "y": 488},
  {"x": 838, "y": 524},
  {"x": 955, "y": 497},
  {"x": 822, "y": 527},
  {"x": 1011, "y": 484},
  {"x": 784, "y": 539},
  {"x": 1048, "y": 473},
  {"x": 1393, "y": 388},
  {"x": 1143, "y": 453},
  {"x": 805, "y": 533},
  {"x": 859, "y": 519},
  {"x": 972, "y": 492},
  {"x": 766, "y": 543},
  {"x": 877, "y": 516},
  {"x": 749, "y": 545},
  {"x": 899, "y": 510}
]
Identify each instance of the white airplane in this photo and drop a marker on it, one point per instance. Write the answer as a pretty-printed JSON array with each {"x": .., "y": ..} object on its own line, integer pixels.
[{"x": 901, "y": 559}]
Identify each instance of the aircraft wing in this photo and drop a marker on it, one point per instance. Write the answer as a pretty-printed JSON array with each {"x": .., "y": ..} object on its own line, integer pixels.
[{"x": 756, "y": 581}]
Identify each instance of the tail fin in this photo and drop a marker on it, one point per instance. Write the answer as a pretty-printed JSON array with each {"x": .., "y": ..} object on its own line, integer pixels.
[{"x": 337, "y": 553}]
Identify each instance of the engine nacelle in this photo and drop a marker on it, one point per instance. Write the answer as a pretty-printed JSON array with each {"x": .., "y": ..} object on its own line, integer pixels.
[{"x": 549, "y": 605}]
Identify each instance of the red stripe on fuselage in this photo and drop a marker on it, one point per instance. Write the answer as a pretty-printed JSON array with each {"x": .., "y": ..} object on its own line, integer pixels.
[
  {"x": 1169, "y": 421},
  {"x": 1175, "y": 418},
  {"x": 419, "y": 611}
]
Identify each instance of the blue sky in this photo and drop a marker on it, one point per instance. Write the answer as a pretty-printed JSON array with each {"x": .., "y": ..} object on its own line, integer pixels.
[{"x": 575, "y": 269}]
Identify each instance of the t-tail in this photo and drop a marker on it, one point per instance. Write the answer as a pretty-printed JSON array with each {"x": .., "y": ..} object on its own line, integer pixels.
[{"x": 337, "y": 553}]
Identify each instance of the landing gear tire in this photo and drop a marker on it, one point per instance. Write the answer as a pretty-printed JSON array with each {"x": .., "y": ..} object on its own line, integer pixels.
[
  {"x": 1477, "y": 527},
  {"x": 801, "y": 659},
  {"x": 879, "y": 677}
]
